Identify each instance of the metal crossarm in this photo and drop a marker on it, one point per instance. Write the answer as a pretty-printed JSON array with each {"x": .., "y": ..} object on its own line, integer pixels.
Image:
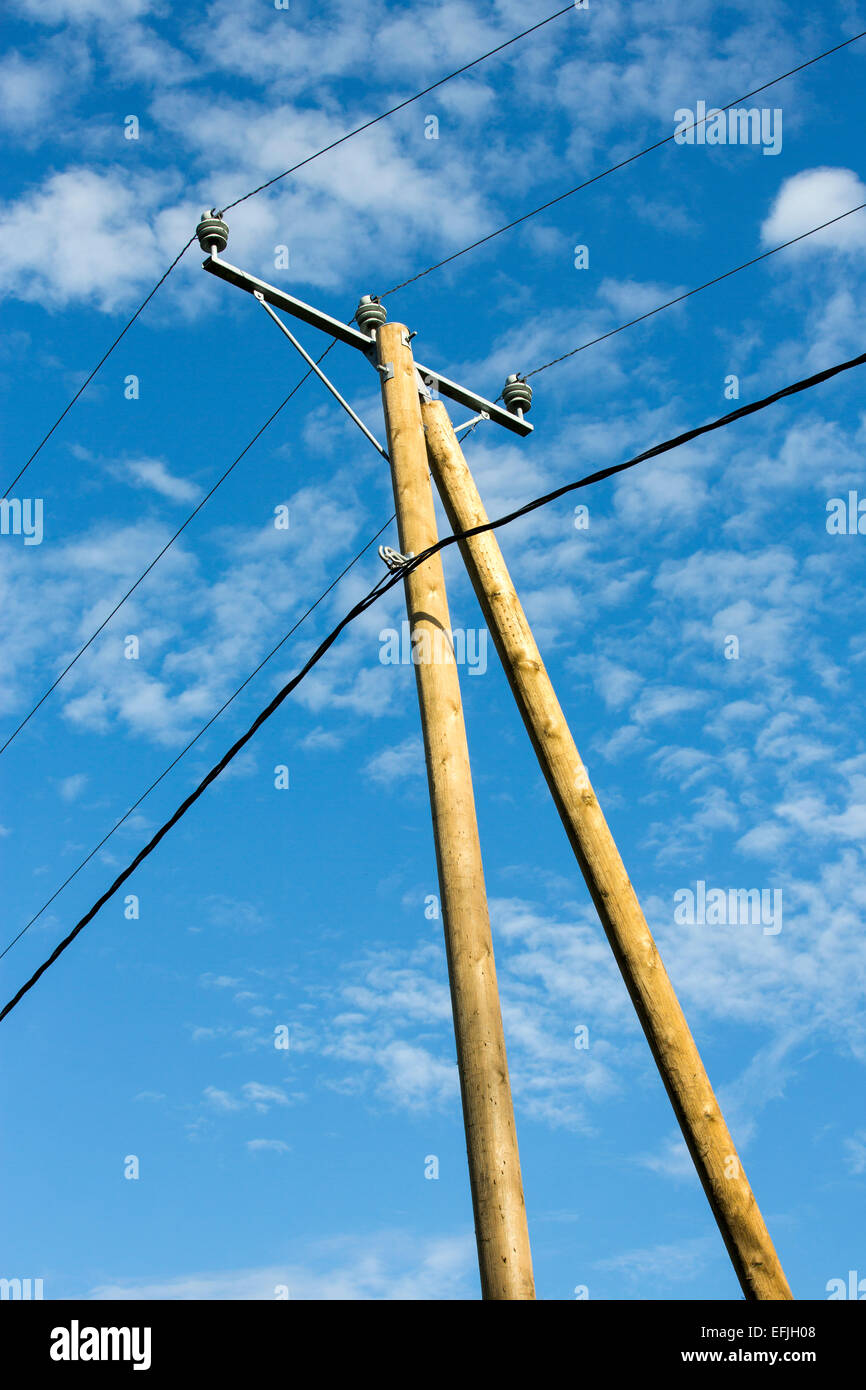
[{"x": 317, "y": 318}]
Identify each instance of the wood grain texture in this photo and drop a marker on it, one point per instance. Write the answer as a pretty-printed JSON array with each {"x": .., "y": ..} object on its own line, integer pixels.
[
  {"x": 724, "y": 1180},
  {"x": 491, "y": 1138}
]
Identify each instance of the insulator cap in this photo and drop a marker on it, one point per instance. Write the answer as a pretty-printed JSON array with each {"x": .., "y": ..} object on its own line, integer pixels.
[
  {"x": 370, "y": 314},
  {"x": 212, "y": 231},
  {"x": 517, "y": 394}
]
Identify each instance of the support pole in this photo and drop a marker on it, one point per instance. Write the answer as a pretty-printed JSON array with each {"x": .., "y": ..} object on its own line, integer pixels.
[
  {"x": 491, "y": 1139},
  {"x": 697, "y": 1110}
]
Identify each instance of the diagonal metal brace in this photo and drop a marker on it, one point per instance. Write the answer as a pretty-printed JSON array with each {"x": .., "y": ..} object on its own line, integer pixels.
[
  {"x": 470, "y": 424},
  {"x": 321, "y": 375}
]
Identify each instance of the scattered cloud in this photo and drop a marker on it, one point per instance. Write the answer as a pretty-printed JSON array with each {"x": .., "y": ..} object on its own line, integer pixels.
[
  {"x": 405, "y": 760},
  {"x": 383, "y": 1265},
  {"x": 153, "y": 473},
  {"x": 70, "y": 788},
  {"x": 810, "y": 198},
  {"x": 674, "y": 1263}
]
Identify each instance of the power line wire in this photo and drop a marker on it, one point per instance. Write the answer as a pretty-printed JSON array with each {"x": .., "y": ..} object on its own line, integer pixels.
[
  {"x": 203, "y": 785},
  {"x": 535, "y": 372},
  {"x": 382, "y": 588},
  {"x": 794, "y": 389},
  {"x": 104, "y": 358},
  {"x": 697, "y": 289},
  {"x": 169, "y": 543},
  {"x": 366, "y": 126},
  {"x": 276, "y": 179},
  {"x": 400, "y": 106},
  {"x": 614, "y": 167},
  {"x": 203, "y": 730}
]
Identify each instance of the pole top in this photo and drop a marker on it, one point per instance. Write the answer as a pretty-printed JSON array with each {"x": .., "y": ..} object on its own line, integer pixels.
[{"x": 370, "y": 313}]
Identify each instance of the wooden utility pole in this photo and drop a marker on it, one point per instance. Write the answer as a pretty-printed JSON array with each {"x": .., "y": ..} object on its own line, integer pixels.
[
  {"x": 697, "y": 1110},
  {"x": 488, "y": 1115}
]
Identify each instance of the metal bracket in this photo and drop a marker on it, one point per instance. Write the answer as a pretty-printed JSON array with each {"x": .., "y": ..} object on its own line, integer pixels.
[
  {"x": 385, "y": 369},
  {"x": 393, "y": 559},
  {"x": 470, "y": 424},
  {"x": 345, "y": 333}
]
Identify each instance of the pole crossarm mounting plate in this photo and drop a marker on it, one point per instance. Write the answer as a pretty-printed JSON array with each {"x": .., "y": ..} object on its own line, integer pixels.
[{"x": 345, "y": 333}]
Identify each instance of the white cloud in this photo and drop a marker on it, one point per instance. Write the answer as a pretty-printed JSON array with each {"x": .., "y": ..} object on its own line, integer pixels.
[
  {"x": 616, "y": 684},
  {"x": 26, "y": 91},
  {"x": 70, "y": 788},
  {"x": 322, "y": 738},
  {"x": 765, "y": 840},
  {"x": 252, "y": 1093},
  {"x": 263, "y": 1097},
  {"x": 84, "y": 11},
  {"x": 666, "y": 702},
  {"x": 220, "y": 1100},
  {"x": 810, "y": 198},
  {"x": 153, "y": 473},
  {"x": 551, "y": 973},
  {"x": 630, "y": 298},
  {"x": 201, "y": 635},
  {"x": 665, "y": 1264},
  {"x": 672, "y": 1159},
  {"x": 415, "y": 1078},
  {"x": 74, "y": 238},
  {"x": 398, "y": 763},
  {"x": 408, "y": 988},
  {"x": 855, "y": 1150},
  {"x": 235, "y": 915}
]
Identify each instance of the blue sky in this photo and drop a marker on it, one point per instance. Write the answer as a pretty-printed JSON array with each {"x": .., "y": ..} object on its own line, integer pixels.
[{"x": 304, "y": 1169}]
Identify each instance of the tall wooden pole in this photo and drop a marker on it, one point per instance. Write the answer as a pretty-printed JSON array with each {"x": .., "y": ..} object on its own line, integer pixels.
[
  {"x": 697, "y": 1110},
  {"x": 491, "y": 1139}
]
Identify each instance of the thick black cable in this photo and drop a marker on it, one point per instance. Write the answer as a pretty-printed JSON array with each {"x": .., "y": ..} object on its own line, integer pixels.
[
  {"x": 277, "y": 177},
  {"x": 401, "y": 105},
  {"x": 688, "y": 293},
  {"x": 205, "y": 783},
  {"x": 203, "y": 730},
  {"x": 169, "y": 543},
  {"x": 614, "y": 167},
  {"x": 382, "y": 588},
  {"x": 591, "y": 343},
  {"x": 794, "y": 389}
]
